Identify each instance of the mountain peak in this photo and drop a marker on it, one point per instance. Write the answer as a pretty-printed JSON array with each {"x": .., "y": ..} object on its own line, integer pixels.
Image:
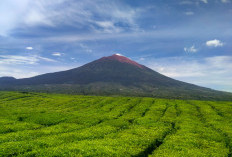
[
  {"x": 118, "y": 54},
  {"x": 112, "y": 75},
  {"x": 120, "y": 58}
]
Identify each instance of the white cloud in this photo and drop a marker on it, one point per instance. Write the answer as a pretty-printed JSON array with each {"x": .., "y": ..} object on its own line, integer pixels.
[
  {"x": 186, "y": 2},
  {"x": 142, "y": 59},
  {"x": 86, "y": 48},
  {"x": 204, "y": 1},
  {"x": 189, "y": 13},
  {"x": 225, "y": 1},
  {"x": 20, "y": 12},
  {"x": 35, "y": 18},
  {"x": 29, "y": 48},
  {"x": 16, "y": 72},
  {"x": 57, "y": 54},
  {"x": 106, "y": 24},
  {"x": 22, "y": 71},
  {"x": 16, "y": 59},
  {"x": 45, "y": 59},
  {"x": 12, "y": 11},
  {"x": 80, "y": 14},
  {"x": 13, "y": 59},
  {"x": 213, "y": 72},
  {"x": 220, "y": 61},
  {"x": 20, "y": 66},
  {"x": 108, "y": 27},
  {"x": 191, "y": 49},
  {"x": 214, "y": 43}
]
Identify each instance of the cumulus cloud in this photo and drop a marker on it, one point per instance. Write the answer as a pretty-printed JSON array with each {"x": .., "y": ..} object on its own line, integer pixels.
[
  {"x": 57, "y": 54},
  {"x": 191, "y": 49},
  {"x": 29, "y": 48},
  {"x": 214, "y": 43}
]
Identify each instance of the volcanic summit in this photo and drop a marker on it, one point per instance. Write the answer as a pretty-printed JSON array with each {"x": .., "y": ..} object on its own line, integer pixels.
[{"x": 113, "y": 75}]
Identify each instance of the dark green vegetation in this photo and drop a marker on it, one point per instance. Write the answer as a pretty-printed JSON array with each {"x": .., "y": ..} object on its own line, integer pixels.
[
  {"x": 114, "y": 75},
  {"x": 35, "y": 124}
]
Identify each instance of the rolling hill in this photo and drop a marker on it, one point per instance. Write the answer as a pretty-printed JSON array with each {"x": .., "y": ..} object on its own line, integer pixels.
[{"x": 113, "y": 75}]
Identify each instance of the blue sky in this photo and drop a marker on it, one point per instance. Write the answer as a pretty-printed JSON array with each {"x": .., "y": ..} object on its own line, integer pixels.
[{"x": 189, "y": 40}]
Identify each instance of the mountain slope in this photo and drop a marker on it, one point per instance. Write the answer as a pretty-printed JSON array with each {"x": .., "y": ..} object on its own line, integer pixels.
[{"x": 113, "y": 75}]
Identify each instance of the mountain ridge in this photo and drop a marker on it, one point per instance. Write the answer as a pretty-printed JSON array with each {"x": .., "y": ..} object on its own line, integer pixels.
[{"x": 113, "y": 75}]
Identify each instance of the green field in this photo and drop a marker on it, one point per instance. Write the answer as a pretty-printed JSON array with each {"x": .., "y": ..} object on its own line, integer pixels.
[{"x": 35, "y": 124}]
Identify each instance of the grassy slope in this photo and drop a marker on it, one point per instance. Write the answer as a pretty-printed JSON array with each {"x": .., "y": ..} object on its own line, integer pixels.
[{"x": 38, "y": 124}]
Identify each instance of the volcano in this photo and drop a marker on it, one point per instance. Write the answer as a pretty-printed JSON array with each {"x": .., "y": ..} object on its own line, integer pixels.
[{"x": 113, "y": 75}]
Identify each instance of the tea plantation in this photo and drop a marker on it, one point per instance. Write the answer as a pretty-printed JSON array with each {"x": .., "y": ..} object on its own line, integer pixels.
[{"x": 35, "y": 124}]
